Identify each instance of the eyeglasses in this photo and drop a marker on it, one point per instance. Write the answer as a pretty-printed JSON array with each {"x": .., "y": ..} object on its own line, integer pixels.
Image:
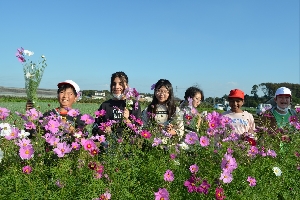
[{"x": 164, "y": 92}]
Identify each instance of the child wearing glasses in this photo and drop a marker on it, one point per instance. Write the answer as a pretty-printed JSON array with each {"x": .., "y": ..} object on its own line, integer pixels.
[
  {"x": 192, "y": 99},
  {"x": 163, "y": 110}
]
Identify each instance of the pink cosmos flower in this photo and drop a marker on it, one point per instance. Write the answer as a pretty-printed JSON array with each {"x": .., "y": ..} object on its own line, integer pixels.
[
  {"x": 27, "y": 169},
  {"x": 226, "y": 176},
  {"x": 204, "y": 141},
  {"x": 52, "y": 126},
  {"x": 169, "y": 176},
  {"x": 152, "y": 86},
  {"x": 156, "y": 142},
  {"x": 29, "y": 125},
  {"x": 190, "y": 184},
  {"x": 100, "y": 113},
  {"x": 87, "y": 119},
  {"x": 26, "y": 152},
  {"x": 172, "y": 156},
  {"x": 194, "y": 168},
  {"x": 24, "y": 142},
  {"x": 145, "y": 134},
  {"x": 219, "y": 193},
  {"x": 228, "y": 163},
  {"x": 61, "y": 149},
  {"x": 252, "y": 181},
  {"x": 271, "y": 153},
  {"x": 191, "y": 138},
  {"x": 105, "y": 196},
  {"x": 75, "y": 145},
  {"x": 73, "y": 112},
  {"x": 88, "y": 144},
  {"x": 203, "y": 188},
  {"x": 33, "y": 114},
  {"x": 13, "y": 134},
  {"x": 4, "y": 113},
  {"x": 94, "y": 152},
  {"x": 162, "y": 193}
]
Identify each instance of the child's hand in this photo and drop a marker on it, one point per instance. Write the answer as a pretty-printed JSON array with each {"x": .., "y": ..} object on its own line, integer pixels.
[
  {"x": 126, "y": 113},
  {"x": 169, "y": 128},
  {"x": 107, "y": 130}
]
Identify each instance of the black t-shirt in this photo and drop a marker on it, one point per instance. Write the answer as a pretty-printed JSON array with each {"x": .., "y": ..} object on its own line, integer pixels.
[{"x": 114, "y": 111}]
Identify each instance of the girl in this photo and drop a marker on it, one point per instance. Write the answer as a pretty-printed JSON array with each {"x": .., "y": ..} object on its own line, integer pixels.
[
  {"x": 192, "y": 99},
  {"x": 115, "y": 108},
  {"x": 163, "y": 110}
]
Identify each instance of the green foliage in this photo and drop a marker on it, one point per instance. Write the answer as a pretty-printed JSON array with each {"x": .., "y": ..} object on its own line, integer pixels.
[{"x": 133, "y": 169}]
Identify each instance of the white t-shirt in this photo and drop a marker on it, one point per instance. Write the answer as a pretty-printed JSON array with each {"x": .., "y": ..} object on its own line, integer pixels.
[{"x": 242, "y": 122}]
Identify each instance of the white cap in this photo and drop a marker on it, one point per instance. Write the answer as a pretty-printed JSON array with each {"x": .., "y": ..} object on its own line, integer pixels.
[
  {"x": 283, "y": 90},
  {"x": 70, "y": 82}
]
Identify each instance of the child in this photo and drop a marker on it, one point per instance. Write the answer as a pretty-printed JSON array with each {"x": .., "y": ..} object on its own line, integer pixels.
[
  {"x": 67, "y": 94},
  {"x": 242, "y": 121},
  {"x": 278, "y": 116},
  {"x": 192, "y": 99},
  {"x": 115, "y": 108},
  {"x": 164, "y": 110}
]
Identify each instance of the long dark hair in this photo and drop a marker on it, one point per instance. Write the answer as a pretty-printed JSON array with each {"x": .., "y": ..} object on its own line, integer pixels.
[
  {"x": 170, "y": 103},
  {"x": 123, "y": 77}
]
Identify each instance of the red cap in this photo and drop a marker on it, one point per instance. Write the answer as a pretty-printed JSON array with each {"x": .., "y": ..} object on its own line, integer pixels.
[{"x": 236, "y": 93}]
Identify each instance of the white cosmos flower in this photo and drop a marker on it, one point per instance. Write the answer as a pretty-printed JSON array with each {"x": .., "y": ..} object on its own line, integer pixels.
[
  {"x": 5, "y": 129},
  {"x": 1, "y": 155},
  {"x": 184, "y": 146},
  {"x": 28, "y": 75},
  {"x": 28, "y": 53},
  {"x": 277, "y": 171},
  {"x": 43, "y": 56},
  {"x": 176, "y": 162},
  {"x": 24, "y": 134}
]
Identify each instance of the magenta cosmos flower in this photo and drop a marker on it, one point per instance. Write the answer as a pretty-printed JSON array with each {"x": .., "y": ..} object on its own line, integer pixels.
[
  {"x": 62, "y": 148},
  {"x": 145, "y": 134},
  {"x": 169, "y": 176},
  {"x": 87, "y": 119},
  {"x": 194, "y": 168},
  {"x": 204, "y": 141},
  {"x": 27, "y": 169},
  {"x": 252, "y": 181},
  {"x": 162, "y": 194},
  {"x": 100, "y": 113}
]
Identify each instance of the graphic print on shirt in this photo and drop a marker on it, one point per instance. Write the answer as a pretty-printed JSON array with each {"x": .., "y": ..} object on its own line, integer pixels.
[
  {"x": 240, "y": 121},
  {"x": 118, "y": 115}
]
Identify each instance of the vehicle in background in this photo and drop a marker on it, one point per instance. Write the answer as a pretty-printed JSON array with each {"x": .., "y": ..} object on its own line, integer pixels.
[
  {"x": 262, "y": 107},
  {"x": 219, "y": 106}
]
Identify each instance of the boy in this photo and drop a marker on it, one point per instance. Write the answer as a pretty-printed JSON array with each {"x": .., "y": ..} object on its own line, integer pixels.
[{"x": 242, "y": 121}]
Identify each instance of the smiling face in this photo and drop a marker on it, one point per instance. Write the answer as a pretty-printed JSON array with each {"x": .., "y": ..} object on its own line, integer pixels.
[
  {"x": 66, "y": 98},
  {"x": 118, "y": 86},
  {"x": 236, "y": 104},
  {"x": 197, "y": 100},
  {"x": 283, "y": 101},
  {"x": 162, "y": 94}
]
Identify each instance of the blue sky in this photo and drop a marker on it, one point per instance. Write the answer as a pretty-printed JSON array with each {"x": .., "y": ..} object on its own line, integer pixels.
[{"x": 218, "y": 45}]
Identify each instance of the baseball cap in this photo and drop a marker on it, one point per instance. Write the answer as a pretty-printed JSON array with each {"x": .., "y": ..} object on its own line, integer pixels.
[
  {"x": 236, "y": 93},
  {"x": 283, "y": 91},
  {"x": 70, "y": 82}
]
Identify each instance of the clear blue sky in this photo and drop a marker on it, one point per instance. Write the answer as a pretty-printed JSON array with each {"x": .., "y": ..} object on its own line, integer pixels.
[{"x": 218, "y": 45}]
